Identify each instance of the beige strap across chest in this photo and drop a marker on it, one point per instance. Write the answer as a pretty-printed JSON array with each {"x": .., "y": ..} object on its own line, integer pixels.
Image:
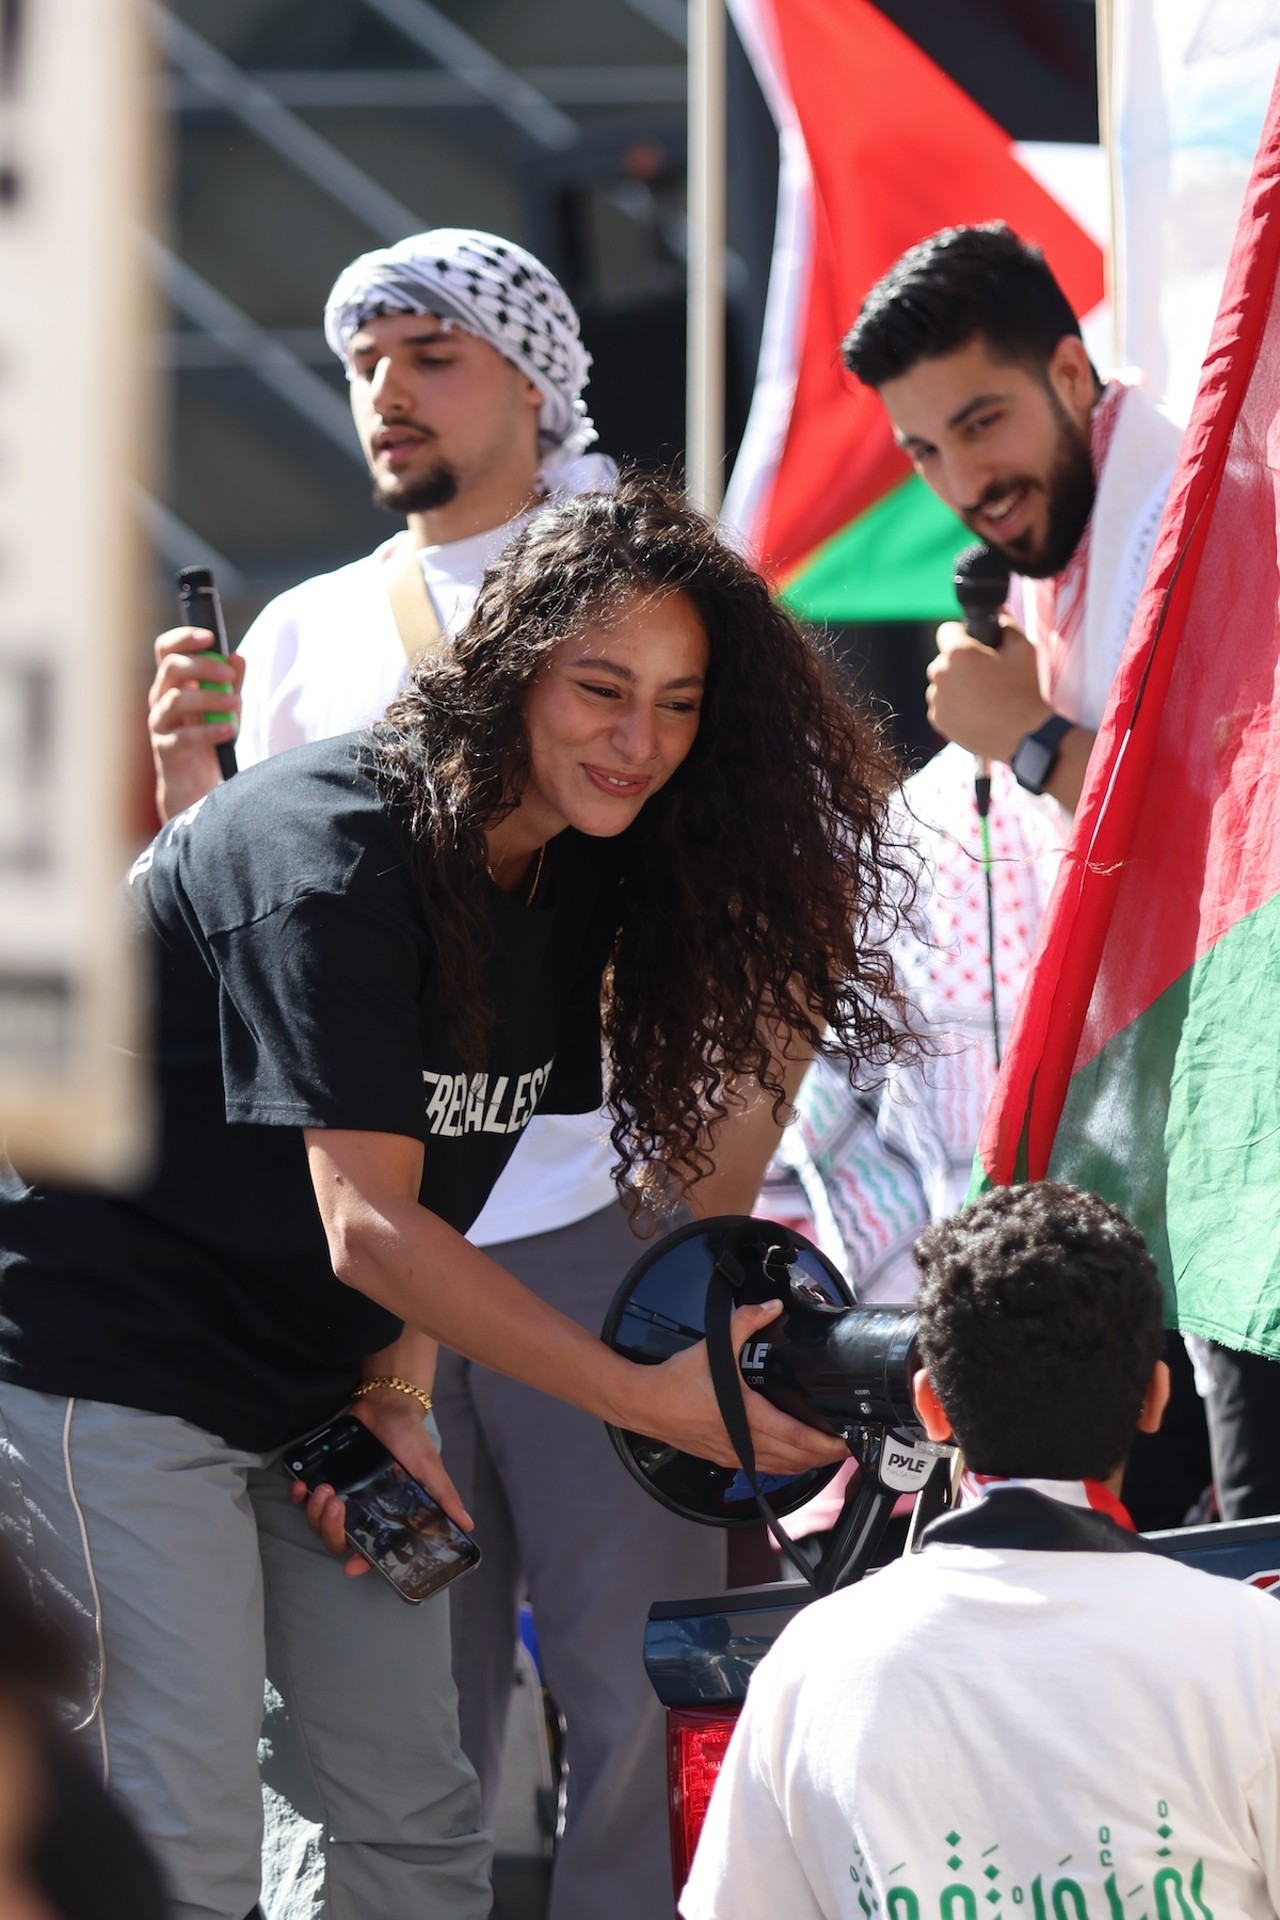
[{"x": 412, "y": 607}]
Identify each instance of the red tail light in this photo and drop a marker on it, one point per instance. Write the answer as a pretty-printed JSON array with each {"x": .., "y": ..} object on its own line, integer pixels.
[{"x": 696, "y": 1742}]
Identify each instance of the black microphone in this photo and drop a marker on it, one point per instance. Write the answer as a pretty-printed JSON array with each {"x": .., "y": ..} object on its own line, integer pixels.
[
  {"x": 981, "y": 581},
  {"x": 199, "y": 605}
]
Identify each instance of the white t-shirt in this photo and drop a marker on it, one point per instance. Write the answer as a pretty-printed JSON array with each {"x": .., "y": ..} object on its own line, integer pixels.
[
  {"x": 999, "y": 1734},
  {"x": 326, "y": 657}
]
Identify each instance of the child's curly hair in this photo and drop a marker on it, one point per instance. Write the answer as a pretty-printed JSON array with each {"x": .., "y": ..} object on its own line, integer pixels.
[{"x": 1041, "y": 1318}]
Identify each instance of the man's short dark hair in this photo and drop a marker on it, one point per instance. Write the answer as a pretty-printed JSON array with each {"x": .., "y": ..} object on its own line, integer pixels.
[
  {"x": 1041, "y": 1318},
  {"x": 962, "y": 284}
]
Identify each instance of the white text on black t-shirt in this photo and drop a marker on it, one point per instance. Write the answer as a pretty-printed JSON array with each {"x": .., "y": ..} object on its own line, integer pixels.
[{"x": 459, "y": 1103}]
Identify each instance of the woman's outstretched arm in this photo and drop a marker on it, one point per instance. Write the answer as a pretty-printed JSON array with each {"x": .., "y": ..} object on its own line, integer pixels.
[{"x": 382, "y": 1241}]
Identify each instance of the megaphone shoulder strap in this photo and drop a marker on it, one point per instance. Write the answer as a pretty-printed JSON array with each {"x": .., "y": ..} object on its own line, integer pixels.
[
  {"x": 725, "y": 1375},
  {"x": 726, "y": 1378}
]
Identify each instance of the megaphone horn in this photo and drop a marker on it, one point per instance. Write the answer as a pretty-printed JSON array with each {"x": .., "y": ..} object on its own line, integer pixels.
[{"x": 825, "y": 1360}]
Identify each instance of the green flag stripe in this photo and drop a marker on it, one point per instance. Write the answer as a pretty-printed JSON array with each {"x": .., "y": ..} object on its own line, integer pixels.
[
  {"x": 893, "y": 562},
  {"x": 1177, "y": 1121}
]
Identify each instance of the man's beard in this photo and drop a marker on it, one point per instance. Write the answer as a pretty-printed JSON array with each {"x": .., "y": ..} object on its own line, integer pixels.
[
  {"x": 1070, "y": 490},
  {"x": 437, "y": 487}
]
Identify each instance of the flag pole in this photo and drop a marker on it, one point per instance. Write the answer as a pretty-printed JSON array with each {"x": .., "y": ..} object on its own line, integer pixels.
[
  {"x": 1113, "y": 259},
  {"x": 704, "y": 352}
]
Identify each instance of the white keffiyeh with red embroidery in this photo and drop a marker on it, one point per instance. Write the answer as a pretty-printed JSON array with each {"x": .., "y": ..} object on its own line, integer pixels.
[
  {"x": 1053, "y": 609},
  {"x": 1078, "y": 620}
]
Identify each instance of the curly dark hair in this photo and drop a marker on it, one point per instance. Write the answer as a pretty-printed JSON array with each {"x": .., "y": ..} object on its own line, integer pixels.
[
  {"x": 759, "y": 879},
  {"x": 1041, "y": 1317},
  {"x": 959, "y": 285}
]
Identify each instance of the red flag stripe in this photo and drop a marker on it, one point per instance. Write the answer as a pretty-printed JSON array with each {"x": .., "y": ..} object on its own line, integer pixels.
[
  {"x": 1176, "y": 835},
  {"x": 897, "y": 150}
]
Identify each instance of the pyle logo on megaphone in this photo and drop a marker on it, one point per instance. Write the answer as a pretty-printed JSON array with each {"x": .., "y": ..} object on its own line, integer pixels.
[
  {"x": 905, "y": 1464},
  {"x": 898, "y": 1462},
  {"x": 752, "y": 1359}
]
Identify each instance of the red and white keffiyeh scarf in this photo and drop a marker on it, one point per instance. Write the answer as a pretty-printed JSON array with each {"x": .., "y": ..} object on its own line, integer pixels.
[{"x": 1054, "y": 609}]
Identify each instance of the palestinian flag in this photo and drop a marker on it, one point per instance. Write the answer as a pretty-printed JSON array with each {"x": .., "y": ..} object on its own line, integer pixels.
[
  {"x": 1145, "y": 1058},
  {"x": 879, "y": 147}
]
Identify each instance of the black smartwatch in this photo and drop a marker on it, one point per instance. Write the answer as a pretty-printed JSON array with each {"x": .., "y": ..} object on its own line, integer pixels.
[{"x": 1036, "y": 753}]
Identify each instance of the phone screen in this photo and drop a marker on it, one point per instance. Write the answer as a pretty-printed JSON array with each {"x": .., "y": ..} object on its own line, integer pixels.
[{"x": 391, "y": 1519}]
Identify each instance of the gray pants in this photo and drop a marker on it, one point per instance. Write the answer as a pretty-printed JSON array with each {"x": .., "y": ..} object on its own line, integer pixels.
[
  {"x": 185, "y": 1574},
  {"x": 556, "y": 1511}
]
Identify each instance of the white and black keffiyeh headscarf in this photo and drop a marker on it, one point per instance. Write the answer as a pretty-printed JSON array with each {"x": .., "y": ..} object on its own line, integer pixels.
[{"x": 492, "y": 288}]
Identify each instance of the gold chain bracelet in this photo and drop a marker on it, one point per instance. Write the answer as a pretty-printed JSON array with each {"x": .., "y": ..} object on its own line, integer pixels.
[{"x": 401, "y": 1386}]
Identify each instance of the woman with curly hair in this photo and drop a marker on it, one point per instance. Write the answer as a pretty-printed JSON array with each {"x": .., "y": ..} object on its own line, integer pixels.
[
  {"x": 631, "y": 802},
  {"x": 752, "y": 868}
]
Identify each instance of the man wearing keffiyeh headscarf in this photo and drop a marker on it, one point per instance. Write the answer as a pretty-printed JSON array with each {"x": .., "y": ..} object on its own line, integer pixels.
[
  {"x": 500, "y": 293},
  {"x": 466, "y": 371}
]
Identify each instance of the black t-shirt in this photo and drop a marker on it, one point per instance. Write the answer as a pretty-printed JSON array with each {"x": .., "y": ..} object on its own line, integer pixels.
[{"x": 297, "y": 987}]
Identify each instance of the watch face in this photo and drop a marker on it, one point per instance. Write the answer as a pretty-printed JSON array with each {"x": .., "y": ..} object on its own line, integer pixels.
[
  {"x": 1032, "y": 764},
  {"x": 1036, "y": 753}
]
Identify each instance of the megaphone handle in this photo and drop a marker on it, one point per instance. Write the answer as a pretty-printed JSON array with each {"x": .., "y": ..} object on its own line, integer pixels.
[
  {"x": 726, "y": 1378},
  {"x": 856, "y": 1534}
]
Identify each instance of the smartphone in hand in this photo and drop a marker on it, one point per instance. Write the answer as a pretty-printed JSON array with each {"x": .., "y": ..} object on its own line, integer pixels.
[
  {"x": 200, "y": 605},
  {"x": 391, "y": 1520}
]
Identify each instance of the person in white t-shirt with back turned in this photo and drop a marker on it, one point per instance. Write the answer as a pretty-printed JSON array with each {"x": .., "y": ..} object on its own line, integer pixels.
[
  {"x": 1037, "y": 1714},
  {"x": 466, "y": 372}
]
